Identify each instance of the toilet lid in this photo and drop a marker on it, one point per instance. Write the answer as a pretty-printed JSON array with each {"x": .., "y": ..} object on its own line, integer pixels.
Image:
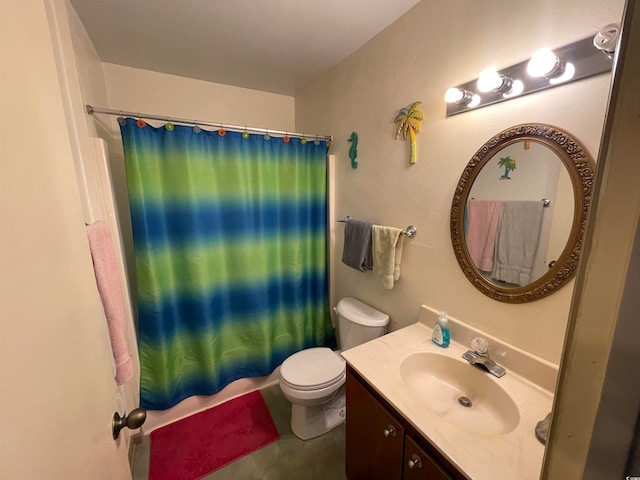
[{"x": 313, "y": 368}]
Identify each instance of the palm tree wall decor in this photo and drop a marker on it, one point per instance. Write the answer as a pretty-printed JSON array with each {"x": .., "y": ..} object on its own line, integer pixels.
[{"x": 408, "y": 120}]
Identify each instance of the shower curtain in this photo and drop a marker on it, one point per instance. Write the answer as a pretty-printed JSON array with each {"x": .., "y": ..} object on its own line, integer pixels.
[{"x": 230, "y": 245}]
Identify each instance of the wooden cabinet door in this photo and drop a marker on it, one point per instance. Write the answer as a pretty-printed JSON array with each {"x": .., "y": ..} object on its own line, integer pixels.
[
  {"x": 418, "y": 465},
  {"x": 374, "y": 438}
]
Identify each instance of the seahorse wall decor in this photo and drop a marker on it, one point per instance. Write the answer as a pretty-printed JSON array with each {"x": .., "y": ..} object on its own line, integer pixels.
[
  {"x": 408, "y": 120},
  {"x": 353, "y": 149}
]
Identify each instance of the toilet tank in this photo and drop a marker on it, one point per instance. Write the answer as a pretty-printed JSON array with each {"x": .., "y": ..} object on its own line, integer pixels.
[{"x": 358, "y": 323}]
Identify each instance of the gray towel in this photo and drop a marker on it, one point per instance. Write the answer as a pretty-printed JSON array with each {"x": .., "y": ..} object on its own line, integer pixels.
[
  {"x": 357, "y": 245},
  {"x": 542, "y": 429},
  {"x": 517, "y": 241}
]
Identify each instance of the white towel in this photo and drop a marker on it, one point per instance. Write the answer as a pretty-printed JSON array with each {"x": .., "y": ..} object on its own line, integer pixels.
[
  {"x": 517, "y": 241},
  {"x": 387, "y": 253}
]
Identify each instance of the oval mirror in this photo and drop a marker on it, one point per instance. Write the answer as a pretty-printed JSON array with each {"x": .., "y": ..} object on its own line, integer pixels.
[{"x": 519, "y": 212}]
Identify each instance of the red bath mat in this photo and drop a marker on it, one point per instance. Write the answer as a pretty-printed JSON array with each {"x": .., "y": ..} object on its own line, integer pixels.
[{"x": 202, "y": 443}]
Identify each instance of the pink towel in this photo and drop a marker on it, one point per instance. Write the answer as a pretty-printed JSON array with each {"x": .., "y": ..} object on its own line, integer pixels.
[
  {"x": 482, "y": 225},
  {"x": 110, "y": 288}
]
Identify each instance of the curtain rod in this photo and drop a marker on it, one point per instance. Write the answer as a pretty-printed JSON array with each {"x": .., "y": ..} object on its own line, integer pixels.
[{"x": 240, "y": 128}]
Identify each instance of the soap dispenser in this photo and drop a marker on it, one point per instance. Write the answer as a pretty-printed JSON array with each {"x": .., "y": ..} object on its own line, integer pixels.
[{"x": 441, "y": 334}]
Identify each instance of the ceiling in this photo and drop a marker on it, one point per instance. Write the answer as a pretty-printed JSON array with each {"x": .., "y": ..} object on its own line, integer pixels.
[{"x": 279, "y": 46}]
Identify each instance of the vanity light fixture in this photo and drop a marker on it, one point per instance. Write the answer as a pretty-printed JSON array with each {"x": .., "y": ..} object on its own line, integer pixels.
[{"x": 546, "y": 69}]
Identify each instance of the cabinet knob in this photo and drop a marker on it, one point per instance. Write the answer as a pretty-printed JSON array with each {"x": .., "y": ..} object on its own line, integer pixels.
[
  {"x": 390, "y": 431},
  {"x": 414, "y": 463}
]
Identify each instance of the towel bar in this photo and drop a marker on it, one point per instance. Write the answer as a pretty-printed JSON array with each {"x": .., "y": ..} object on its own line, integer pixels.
[
  {"x": 545, "y": 203},
  {"x": 410, "y": 231}
]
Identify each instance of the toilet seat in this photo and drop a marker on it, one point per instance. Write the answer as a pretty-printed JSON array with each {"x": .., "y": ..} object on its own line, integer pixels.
[{"x": 313, "y": 369}]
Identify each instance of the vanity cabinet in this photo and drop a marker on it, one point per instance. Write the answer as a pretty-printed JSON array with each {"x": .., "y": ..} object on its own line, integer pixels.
[
  {"x": 374, "y": 437},
  {"x": 382, "y": 445}
]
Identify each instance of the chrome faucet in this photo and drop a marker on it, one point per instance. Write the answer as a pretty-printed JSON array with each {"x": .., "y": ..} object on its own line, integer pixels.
[{"x": 479, "y": 356}]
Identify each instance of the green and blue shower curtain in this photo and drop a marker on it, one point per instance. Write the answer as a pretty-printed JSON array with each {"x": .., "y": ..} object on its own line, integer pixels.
[{"x": 231, "y": 255}]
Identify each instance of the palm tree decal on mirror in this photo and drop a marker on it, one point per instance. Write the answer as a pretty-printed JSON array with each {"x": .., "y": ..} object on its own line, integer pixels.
[
  {"x": 408, "y": 120},
  {"x": 508, "y": 164}
]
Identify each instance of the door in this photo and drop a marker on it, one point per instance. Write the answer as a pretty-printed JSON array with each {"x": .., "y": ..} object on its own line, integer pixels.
[
  {"x": 59, "y": 393},
  {"x": 374, "y": 438}
]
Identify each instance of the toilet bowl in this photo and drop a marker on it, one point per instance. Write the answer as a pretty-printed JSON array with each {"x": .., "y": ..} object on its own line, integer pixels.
[{"x": 313, "y": 379}]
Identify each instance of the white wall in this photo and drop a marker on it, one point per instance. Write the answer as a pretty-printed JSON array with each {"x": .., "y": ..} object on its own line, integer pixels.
[
  {"x": 145, "y": 91},
  {"x": 58, "y": 393},
  {"x": 435, "y": 46}
]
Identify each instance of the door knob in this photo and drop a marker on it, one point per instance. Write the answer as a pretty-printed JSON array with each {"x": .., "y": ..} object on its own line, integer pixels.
[
  {"x": 390, "y": 431},
  {"x": 134, "y": 420}
]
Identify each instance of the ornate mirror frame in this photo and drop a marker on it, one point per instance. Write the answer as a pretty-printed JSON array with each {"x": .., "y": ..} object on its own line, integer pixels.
[{"x": 580, "y": 167}]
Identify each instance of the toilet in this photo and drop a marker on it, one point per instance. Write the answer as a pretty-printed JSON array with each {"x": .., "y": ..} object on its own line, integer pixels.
[{"x": 313, "y": 379}]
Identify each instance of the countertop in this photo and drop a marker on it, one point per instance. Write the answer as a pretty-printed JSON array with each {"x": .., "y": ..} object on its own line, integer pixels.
[{"x": 478, "y": 455}]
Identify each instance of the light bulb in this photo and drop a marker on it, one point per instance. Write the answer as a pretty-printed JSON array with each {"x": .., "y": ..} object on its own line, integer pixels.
[
  {"x": 543, "y": 63},
  {"x": 475, "y": 101},
  {"x": 516, "y": 89},
  {"x": 607, "y": 37},
  {"x": 489, "y": 80},
  {"x": 569, "y": 72},
  {"x": 458, "y": 95},
  {"x": 453, "y": 95}
]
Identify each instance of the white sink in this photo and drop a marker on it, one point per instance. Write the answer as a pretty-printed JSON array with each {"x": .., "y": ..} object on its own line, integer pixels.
[{"x": 460, "y": 393}]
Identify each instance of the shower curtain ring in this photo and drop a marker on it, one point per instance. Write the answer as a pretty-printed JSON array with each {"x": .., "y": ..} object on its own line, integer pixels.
[{"x": 140, "y": 123}]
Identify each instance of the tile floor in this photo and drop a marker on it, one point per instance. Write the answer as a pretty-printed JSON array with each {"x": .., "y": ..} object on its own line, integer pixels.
[{"x": 289, "y": 458}]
